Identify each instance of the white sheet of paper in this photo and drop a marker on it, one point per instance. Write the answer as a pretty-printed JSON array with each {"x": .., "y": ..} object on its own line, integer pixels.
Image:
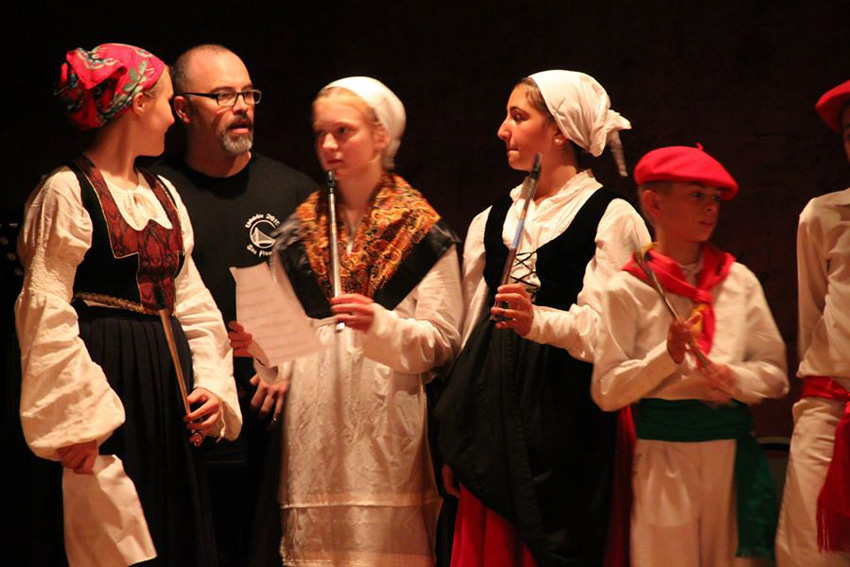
[
  {"x": 104, "y": 522},
  {"x": 271, "y": 312}
]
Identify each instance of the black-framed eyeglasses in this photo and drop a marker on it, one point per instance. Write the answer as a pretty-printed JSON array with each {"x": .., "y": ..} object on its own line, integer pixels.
[{"x": 228, "y": 98}]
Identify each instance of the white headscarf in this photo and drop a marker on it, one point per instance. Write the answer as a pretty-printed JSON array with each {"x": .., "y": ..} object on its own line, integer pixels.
[
  {"x": 582, "y": 110},
  {"x": 387, "y": 106}
]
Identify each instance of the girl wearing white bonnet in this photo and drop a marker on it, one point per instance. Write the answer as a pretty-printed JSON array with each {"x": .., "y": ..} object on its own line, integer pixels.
[
  {"x": 530, "y": 454},
  {"x": 357, "y": 487}
]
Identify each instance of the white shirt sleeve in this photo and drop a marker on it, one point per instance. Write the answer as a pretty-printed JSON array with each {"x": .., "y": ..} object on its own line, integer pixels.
[
  {"x": 762, "y": 373},
  {"x": 812, "y": 277},
  {"x": 632, "y": 360},
  {"x": 201, "y": 321},
  {"x": 475, "y": 291},
  {"x": 823, "y": 252},
  {"x": 431, "y": 337},
  {"x": 65, "y": 397},
  {"x": 620, "y": 377},
  {"x": 621, "y": 231}
]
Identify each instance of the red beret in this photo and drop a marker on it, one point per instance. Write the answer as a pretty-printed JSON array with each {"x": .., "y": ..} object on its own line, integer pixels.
[
  {"x": 687, "y": 164},
  {"x": 832, "y": 103}
]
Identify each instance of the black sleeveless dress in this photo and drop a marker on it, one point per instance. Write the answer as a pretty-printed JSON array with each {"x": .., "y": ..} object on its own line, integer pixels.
[
  {"x": 121, "y": 269},
  {"x": 517, "y": 423}
]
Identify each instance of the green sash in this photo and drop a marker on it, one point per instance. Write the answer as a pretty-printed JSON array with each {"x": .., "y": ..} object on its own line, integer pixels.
[{"x": 692, "y": 421}]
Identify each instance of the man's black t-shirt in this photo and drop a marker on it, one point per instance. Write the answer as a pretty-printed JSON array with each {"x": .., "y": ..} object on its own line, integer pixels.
[{"x": 234, "y": 217}]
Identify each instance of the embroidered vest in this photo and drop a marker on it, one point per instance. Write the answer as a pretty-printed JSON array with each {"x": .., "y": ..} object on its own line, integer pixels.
[{"x": 124, "y": 265}]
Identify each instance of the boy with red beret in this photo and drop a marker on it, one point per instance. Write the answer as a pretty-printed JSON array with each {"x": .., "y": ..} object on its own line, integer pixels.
[
  {"x": 702, "y": 490},
  {"x": 814, "y": 527}
]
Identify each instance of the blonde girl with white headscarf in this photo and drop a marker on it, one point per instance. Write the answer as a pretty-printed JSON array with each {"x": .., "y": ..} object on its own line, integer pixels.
[
  {"x": 357, "y": 487},
  {"x": 529, "y": 454}
]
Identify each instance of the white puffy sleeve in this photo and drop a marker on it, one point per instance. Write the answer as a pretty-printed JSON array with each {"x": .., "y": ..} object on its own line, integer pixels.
[
  {"x": 475, "y": 291},
  {"x": 623, "y": 372},
  {"x": 762, "y": 372},
  {"x": 812, "y": 276},
  {"x": 65, "y": 397},
  {"x": 621, "y": 231},
  {"x": 431, "y": 337}
]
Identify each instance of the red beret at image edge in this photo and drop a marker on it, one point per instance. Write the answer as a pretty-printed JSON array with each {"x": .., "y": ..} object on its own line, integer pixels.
[{"x": 831, "y": 103}]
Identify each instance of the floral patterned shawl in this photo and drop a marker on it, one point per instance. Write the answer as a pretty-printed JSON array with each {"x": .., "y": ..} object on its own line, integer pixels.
[{"x": 397, "y": 218}]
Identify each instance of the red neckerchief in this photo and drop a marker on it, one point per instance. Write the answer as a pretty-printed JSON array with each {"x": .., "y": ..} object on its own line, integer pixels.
[
  {"x": 715, "y": 267},
  {"x": 833, "y": 509}
]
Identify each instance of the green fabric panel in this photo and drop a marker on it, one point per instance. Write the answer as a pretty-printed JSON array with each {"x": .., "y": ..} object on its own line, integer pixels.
[{"x": 693, "y": 421}]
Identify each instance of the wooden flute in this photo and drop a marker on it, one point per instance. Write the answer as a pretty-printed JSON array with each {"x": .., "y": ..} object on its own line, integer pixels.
[{"x": 162, "y": 310}]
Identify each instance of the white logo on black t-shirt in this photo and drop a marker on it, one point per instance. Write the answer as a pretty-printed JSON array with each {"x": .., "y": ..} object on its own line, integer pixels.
[{"x": 260, "y": 228}]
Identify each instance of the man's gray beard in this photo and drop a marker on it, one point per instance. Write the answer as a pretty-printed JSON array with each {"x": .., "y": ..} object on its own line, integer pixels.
[{"x": 237, "y": 145}]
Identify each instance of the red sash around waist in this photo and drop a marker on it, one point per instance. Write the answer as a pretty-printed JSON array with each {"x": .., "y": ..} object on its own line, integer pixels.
[{"x": 833, "y": 510}]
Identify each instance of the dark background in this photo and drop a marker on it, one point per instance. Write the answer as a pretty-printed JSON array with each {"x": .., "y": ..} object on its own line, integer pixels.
[{"x": 741, "y": 77}]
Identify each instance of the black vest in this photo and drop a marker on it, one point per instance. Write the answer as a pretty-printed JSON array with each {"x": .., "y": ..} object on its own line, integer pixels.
[
  {"x": 561, "y": 262},
  {"x": 517, "y": 423}
]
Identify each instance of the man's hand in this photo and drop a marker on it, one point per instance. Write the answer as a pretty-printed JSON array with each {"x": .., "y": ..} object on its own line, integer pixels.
[
  {"x": 240, "y": 340},
  {"x": 268, "y": 398}
]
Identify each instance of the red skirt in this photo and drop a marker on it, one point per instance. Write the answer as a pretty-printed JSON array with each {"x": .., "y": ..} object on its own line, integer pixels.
[{"x": 483, "y": 538}]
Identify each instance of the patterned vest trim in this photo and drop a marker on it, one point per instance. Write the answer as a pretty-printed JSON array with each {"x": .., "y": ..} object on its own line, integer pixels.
[{"x": 124, "y": 266}]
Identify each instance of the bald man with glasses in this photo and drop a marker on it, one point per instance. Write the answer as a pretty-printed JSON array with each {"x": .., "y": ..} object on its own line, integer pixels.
[{"x": 236, "y": 199}]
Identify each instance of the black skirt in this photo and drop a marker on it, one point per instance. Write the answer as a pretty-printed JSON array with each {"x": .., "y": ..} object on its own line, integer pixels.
[
  {"x": 522, "y": 434},
  {"x": 153, "y": 442}
]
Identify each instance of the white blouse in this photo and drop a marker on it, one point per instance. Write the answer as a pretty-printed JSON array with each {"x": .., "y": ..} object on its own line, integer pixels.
[
  {"x": 357, "y": 486},
  {"x": 823, "y": 277}
]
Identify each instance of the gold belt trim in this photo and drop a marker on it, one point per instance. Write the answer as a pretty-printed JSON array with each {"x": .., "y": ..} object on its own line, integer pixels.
[{"x": 111, "y": 301}]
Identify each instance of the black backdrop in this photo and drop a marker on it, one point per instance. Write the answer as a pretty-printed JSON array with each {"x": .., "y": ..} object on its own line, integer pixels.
[{"x": 741, "y": 77}]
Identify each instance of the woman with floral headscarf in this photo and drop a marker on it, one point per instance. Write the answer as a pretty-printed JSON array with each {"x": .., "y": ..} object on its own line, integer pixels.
[
  {"x": 356, "y": 485},
  {"x": 106, "y": 246},
  {"x": 528, "y": 452}
]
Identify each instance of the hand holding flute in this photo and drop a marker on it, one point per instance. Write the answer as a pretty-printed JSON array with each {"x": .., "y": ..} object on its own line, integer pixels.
[
  {"x": 351, "y": 310},
  {"x": 681, "y": 332},
  {"x": 204, "y": 420},
  {"x": 500, "y": 312},
  {"x": 513, "y": 309},
  {"x": 333, "y": 242}
]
